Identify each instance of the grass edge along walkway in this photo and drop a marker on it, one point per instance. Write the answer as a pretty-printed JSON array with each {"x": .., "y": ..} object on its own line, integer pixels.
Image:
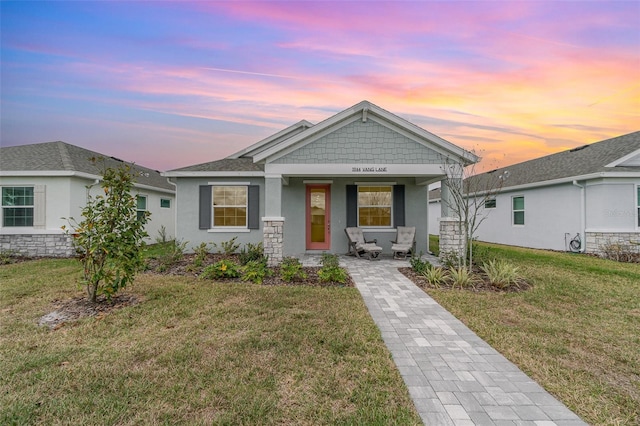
[
  {"x": 576, "y": 332},
  {"x": 194, "y": 352}
]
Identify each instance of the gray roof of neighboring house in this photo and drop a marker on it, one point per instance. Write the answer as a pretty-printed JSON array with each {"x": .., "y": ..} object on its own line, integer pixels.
[
  {"x": 579, "y": 161},
  {"x": 225, "y": 165},
  {"x": 61, "y": 156}
]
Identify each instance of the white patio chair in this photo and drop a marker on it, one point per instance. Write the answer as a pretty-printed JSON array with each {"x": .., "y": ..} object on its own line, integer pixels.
[{"x": 405, "y": 242}]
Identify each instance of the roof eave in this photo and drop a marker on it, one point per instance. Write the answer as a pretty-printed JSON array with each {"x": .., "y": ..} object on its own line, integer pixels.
[{"x": 213, "y": 174}]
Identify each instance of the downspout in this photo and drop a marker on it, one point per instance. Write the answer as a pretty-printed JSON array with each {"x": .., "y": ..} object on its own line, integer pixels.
[
  {"x": 175, "y": 214},
  {"x": 95, "y": 182},
  {"x": 583, "y": 215}
]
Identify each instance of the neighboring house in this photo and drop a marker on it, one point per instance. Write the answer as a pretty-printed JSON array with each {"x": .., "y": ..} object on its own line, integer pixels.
[
  {"x": 44, "y": 183},
  {"x": 298, "y": 189},
  {"x": 592, "y": 191}
]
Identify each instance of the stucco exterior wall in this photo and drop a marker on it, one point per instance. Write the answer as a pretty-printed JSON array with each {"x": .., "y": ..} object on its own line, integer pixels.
[
  {"x": 611, "y": 205},
  {"x": 553, "y": 211},
  {"x": 363, "y": 142},
  {"x": 187, "y": 224}
]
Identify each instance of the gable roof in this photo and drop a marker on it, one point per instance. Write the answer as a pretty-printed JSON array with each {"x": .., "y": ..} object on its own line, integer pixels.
[
  {"x": 272, "y": 140},
  {"x": 56, "y": 157},
  {"x": 365, "y": 109},
  {"x": 250, "y": 160},
  {"x": 586, "y": 161}
]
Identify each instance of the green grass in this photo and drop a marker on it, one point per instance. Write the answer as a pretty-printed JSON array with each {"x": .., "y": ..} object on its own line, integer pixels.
[
  {"x": 576, "y": 332},
  {"x": 194, "y": 352}
]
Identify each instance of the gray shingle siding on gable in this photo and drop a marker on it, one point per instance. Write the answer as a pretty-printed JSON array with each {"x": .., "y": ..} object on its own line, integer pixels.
[{"x": 363, "y": 142}]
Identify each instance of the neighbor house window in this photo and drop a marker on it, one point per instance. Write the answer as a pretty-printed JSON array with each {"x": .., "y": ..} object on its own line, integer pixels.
[
  {"x": 230, "y": 206},
  {"x": 638, "y": 202},
  {"x": 17, "y": 206},
  {"x": 165, "y": 203},
  {"x": 518, "y": 210},
  {"x": 374, "y": 205},
  {"x": 490, "y": 203},
  {"x": 141, "y": 206}
]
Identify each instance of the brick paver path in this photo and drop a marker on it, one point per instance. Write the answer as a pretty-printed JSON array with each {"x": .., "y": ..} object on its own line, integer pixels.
[{"x": 453, "y": 376}]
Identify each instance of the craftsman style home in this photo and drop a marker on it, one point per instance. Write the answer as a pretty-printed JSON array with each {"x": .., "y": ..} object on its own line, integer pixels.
[
  {"x": 44, "y": 183},
  {"x": 582, "y": 199},
  {"x": 299, "y": 189}
]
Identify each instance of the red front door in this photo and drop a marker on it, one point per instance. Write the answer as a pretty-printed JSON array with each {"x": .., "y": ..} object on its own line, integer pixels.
[{"x": 318, "y": 217}]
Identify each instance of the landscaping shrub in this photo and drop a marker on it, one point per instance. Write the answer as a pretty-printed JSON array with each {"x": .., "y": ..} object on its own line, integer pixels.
[
  {"x": 224, "y": 268},
  {"x": 251, "y": 252},
  {"x": 435, "y": 276},
  {"x": 462, "y": 278},
  {"x": 501, "y": 273},
  {"x": 291, "y": 270},
  {"x": 7, "y": 257},
  {"x": 228, "y": 247},
  {"x": 255, "y": 271},
  {"x": 331, "y": 270},
  {"x": 621, "y": 252},
  {"x": 419, "y": 266},
  {"x": 200, "y": 254},
  {"x": 172, "y": 256}
]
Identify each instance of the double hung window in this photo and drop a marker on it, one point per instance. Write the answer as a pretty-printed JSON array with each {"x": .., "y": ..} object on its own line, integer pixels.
[
  {"x": 375, "y": 206},
  {"x": 230, "y": 205},
  {"x": 518, "y": 210},
  {"x": 17, "y": 206},
  {"x": 141, "y": 206}
]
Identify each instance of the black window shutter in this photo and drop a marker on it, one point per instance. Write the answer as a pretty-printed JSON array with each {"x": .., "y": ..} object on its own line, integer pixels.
[
  {"x": 398, "y": 205},
  {"x": 253, "y": 211},
  {"x": 205, "y": 207},
  {"x": 352, "y": 205}
]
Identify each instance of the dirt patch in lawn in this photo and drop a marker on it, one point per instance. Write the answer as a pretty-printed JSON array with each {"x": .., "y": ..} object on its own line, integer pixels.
[{"x": 66, "y": 311}]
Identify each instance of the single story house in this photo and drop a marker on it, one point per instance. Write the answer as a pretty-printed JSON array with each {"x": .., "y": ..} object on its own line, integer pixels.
[
  {"x": 588, "y": 195},
  {"x": 44, "y": 183},
  {"x": 297, "y": 190}
]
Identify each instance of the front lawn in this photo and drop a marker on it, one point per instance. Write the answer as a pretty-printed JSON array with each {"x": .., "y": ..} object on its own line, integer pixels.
[
  {"x": 576, "y": 331},
  {"x": 193, "y": 352}
]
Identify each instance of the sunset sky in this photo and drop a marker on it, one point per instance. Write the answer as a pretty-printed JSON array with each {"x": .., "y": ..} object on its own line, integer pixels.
[{"x": 170, "y": 84}]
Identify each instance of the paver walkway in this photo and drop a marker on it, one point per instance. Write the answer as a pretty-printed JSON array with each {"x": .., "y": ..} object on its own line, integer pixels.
[{"x": 453, "y": 376}]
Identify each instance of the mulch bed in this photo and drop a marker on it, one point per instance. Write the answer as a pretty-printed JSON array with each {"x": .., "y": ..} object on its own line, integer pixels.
[
  {"x": 483, "y": 285},
  {"x": 185, "y": 267}
]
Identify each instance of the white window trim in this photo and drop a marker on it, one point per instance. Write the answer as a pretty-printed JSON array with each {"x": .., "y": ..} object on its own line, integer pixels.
[
  {"x": 371, "y": 184},
  {"x": 165, "y": 199},
  {"x": 32, "y": 206},
  {"x": 514, "y": 211},
  {"x": 244, "y": 228},
  {"x": 146, "y": 203}
]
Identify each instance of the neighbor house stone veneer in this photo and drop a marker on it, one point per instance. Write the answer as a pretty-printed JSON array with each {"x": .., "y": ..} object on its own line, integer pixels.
[
  {"x": 37, "y": 245},
  {"x": 596, "y": 241}
]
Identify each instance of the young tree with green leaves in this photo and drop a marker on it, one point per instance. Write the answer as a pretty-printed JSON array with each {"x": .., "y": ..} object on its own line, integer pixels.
[{"x": 110, "y": 238}]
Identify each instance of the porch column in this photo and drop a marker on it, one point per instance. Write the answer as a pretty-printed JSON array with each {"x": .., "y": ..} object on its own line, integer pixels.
[
  {"x": 273, "y": 222},
  {"x": 452, "y": 234}
]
